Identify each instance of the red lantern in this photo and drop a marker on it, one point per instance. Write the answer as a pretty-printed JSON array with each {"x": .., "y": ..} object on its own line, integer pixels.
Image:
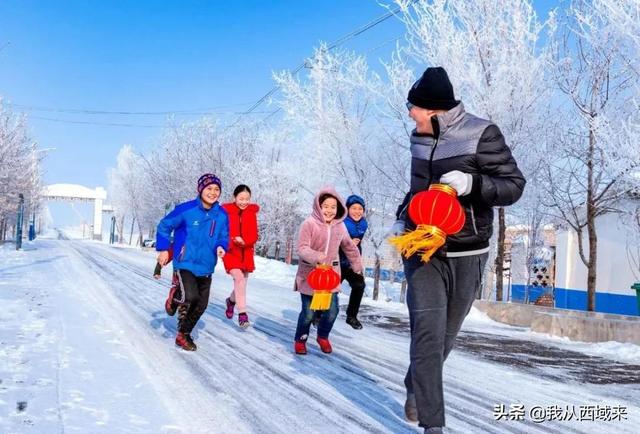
[
  {"x": 323, "y": 280},
  {"x": 437, "y": 213}
]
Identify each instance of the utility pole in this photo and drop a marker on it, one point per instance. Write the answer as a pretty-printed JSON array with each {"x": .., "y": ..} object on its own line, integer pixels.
[
  {"x": 112, "y": 232},
  {"x": 32, "y": 227},
  {"x": 19, "y": 222}
]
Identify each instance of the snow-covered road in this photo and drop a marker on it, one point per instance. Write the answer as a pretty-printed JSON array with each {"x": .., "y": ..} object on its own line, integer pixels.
[{"x": 85, "y": 346}]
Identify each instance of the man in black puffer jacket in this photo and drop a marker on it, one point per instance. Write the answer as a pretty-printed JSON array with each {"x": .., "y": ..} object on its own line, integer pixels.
[{"x": 452, "y": 147}]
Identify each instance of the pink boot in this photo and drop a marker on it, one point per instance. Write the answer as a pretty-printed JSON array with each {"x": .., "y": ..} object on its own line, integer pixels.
[
  {"x": 230, "y": 306},
  {"x": 243, "y": 320}
]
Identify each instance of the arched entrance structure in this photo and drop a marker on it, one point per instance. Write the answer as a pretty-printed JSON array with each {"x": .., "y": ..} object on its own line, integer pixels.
[{"x": 80, "y": 193}]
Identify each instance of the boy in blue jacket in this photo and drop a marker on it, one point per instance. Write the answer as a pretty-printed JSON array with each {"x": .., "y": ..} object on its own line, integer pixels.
[
  {"x": 357, "y": 226},
  {"x": 200, "y": 235}
]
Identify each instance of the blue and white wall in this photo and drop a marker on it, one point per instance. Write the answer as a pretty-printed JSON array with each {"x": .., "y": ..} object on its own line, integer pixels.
[{"x": 614, "y": 272}]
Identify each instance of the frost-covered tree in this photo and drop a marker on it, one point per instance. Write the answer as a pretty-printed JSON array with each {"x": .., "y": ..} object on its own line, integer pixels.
[
  {"x": 595, "y": 150},
  {"x": 339, "y": 111},
  {"x": 243, "y": 152},
  {"x": 127, "y": 189},
  {"x": 19, "y": 168},
  {"x": 329, "y": 108}
]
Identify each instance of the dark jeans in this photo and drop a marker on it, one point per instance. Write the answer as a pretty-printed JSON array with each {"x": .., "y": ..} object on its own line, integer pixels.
[
  {"x": 440, "y": 294},
  {"x": 196, "y": 299},
  {"x": 327, "y": 318},
  {"x": 356, "y": 281}
]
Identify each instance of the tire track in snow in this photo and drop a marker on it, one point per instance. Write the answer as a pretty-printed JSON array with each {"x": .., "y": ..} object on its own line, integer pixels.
[
  {"x": 152, "y": 359},
  {"x": 335, "y": 360},
  {"x": 463, "y": 400},
  {"x": 323, "y": 405}
]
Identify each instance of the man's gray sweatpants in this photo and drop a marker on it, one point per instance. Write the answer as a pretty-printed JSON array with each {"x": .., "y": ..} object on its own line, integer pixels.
[{"x": 440, "y": 294}]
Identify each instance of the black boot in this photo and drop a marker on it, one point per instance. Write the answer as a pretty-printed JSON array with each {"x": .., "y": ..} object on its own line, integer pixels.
[{"x": 353, "y": 322}]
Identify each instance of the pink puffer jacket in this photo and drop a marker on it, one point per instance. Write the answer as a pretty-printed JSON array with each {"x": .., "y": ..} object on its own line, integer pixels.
[{"x": 317, "y": 238}]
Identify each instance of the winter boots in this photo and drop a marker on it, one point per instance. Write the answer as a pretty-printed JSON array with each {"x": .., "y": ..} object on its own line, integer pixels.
[
  {"x": 300, "y": 347},
  {"x": 230, "y": 306},
  {"x": 184, "y": 341},
  {"x": 325, "y": 345},
  {"x": 243, "y": 320},
  {"x": 353, "y": 322},
  {"x": 410, "y": 408}
]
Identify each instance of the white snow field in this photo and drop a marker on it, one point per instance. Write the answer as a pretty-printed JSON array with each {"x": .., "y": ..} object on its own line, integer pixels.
[{"x": 85, "y": 346}]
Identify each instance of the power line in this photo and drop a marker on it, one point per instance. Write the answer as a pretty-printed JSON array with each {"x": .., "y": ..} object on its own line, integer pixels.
[
  {"x": 364, "y": 28},
  {"x": 376, "y": 48},
  {"x": 115, "y": 124},
  {"x": 201, "y": 111},
  {"x": 108, "y": 124},
  {"x": 271, "y": 92},
  {"x": 331, "y": 46},
  {"x": 274, "y": 112}
]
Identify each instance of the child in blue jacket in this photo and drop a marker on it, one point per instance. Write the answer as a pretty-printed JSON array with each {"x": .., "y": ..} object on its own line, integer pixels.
[
  {"x": 200, "y": 235},
  {"x": 356, "y": 226}
]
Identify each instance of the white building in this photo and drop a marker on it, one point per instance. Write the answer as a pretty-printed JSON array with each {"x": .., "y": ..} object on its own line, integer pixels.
[{"x": 615, "y": 273}]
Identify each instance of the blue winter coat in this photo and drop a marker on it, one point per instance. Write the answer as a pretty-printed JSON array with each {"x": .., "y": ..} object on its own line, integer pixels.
[
  {"x": 197, "y": 234},
  {"x": 356, "y": 229}
]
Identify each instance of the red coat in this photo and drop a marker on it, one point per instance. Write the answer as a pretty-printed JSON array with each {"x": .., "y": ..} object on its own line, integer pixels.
[{"x": 242, "y": 223}]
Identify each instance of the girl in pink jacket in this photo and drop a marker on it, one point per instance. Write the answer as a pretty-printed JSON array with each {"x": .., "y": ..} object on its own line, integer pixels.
[{"x": 321, "y": 237}]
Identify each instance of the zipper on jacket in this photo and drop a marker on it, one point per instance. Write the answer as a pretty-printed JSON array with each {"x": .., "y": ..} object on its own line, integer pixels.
[
  {"x": 473, "y": 220},
  {"x": 240, "y": 229},
  {"x": 326, "y": 248},
  {"x": 433, "y": 151}
]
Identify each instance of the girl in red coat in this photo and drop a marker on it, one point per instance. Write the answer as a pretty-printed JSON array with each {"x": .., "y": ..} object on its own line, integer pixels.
[{"x": 238, "y": 261}]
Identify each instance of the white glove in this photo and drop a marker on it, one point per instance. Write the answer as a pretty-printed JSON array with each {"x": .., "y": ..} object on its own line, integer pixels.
[
  {"x": 396, "y": 229},
  {"x": 460, "y": 181}
]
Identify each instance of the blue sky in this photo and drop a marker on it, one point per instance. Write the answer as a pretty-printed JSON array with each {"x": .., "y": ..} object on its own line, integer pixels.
[{"x": 156, "y": 56}]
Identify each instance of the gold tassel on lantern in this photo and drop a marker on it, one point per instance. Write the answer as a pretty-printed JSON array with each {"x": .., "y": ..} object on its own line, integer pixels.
[
  {"x": 425, "y": 239},
  {"x": 321, "y": 300}
]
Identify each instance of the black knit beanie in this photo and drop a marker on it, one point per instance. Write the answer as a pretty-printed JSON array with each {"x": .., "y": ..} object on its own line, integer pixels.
[{"x": 433, "y": 91}]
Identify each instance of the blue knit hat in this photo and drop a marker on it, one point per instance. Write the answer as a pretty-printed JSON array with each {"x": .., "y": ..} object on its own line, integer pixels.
[
  {"x": 354, "y": 198},
  {"x": 206, "y": 180}
]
